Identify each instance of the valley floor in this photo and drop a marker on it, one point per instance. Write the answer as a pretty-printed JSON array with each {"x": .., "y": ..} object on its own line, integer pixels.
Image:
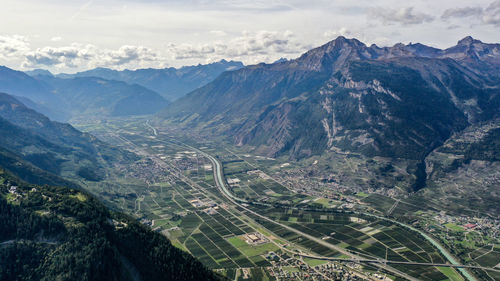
[{"x": 244, "y": 215}]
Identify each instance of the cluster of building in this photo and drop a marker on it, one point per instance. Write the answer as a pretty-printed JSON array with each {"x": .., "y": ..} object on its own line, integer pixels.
[
  {"x": 17, "y": 193},
  {"x": 147, "y": 170},
  {"x": 294, "y": 269},
  {"x": 259, "y": 173},
  {"x": 197, "y": 203},
  {"x": 468, "y": 223},
  {"x": 285, "y": 267},
  {"x": 13, "y": 190}
]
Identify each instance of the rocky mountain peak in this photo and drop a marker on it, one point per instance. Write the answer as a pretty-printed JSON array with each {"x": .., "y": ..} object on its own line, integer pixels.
[
  {"x": 467, "y": 41},
  {"x": 334, "y": 54}
]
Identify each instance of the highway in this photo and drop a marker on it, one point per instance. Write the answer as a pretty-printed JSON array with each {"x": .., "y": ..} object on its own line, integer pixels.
[
  {"x": 221, "y": 185},
  {"x": 436, "y": 244}
]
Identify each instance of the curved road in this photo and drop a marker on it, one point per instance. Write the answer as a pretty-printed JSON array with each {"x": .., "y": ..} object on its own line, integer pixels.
[
  {"x": 436, "y": 244},
  {"x": 220, "y": 182}
]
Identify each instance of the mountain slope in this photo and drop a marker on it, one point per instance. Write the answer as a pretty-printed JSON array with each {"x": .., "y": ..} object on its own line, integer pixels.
[
  {"x": 18, "y": 83},
  {"x": 343, "y": 95},
  {"x": 54, "y": 147},
  {"x": 62, "y": 99},
  {"x": 57, "y": 233},
  {"x": 468, "y": 163},
  {"x": 97, "y": 96},
  {"x": 171, "y": 83}
]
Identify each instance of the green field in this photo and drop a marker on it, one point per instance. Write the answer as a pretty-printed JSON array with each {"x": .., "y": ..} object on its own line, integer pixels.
[
  {"x": 314, "y": 262},
  {"x": 454, "y": 227},
  {"x": 252, "y": 250}
]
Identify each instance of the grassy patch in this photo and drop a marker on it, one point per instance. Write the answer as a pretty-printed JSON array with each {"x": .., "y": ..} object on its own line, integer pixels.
[
  {"x": 237, "y": 241},
  {"x": 251, "y": 250},
  {"x": 178, "y": 245},
  {"x": 343, "y": 245},
  {"x": 314, "y": 262},
  {"x": 450, "y": 273},
  {"x": 342, "y": 256},
  {"x": 454, "y": 227},
  {"x": 362, "y": 194},
  {"x": 161, "y": 222},
  {"x": 11, "y": 199},
  {"x": 291, "y": 269},
  {"x": 79, "y": 196},
  {"x": 323, "y": 201}
]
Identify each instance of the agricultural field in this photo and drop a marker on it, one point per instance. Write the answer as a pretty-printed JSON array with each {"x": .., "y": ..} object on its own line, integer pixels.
[
  {"x": 172, "y": 189},
  {"x": 360, "y": 234}
]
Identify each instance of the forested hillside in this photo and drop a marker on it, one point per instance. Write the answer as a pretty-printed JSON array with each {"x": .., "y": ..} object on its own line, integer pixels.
[{"x": 58, "y": 233}]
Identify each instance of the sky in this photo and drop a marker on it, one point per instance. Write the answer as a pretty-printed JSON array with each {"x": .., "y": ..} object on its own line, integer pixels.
[{"x": 70, "y": 36}]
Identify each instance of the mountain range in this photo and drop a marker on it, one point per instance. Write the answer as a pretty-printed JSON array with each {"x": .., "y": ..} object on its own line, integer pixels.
[
  {"x": 62, "y": 99},
  {"x": 103, "y": 92},
  {"x": 399, "y": 102},
  {"x": 171, "y": 83},
  {"x": 91, "y": 96},
  {"x": 436, "y": 110}
]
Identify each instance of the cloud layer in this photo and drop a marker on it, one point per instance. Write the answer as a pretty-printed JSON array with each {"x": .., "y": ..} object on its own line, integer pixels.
[
  {"x": 249, "y": 47},
  {"x": 76, "y": 35},
  {"x": 77, "y": 55},
  {"x": 255, "y": 47},
  {"x": 405, "y": 16},
  {"x": 12, "y": 47},
  {"x": 489, "y": 15}
]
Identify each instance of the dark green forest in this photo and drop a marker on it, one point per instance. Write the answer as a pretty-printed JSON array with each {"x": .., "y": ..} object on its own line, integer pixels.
[{"x": 60, "y": 233}]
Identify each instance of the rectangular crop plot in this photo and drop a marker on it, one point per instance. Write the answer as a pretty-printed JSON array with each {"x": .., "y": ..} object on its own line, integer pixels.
[
  {"x": 229, "y": 249},
  {"x": 213, "y": 250},
  {"x": 200, "y": 253}
]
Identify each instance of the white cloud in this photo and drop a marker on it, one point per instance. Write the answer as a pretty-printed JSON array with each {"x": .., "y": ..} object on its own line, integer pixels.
[
  {"x": 56, "y": 39},
  {"x": 12, "y": 47},
  {"x": 67, "y": 56},
  {"x": 126, "y": 55},
  {"x": 490, "y": 15},
  {"x": 251, "y": 47},
  {"x": 332, "y": 34},
  {"x": 462, "y": 12},
  {"x": 89, "y": 56},
  {"x": 405, "y": 16}
]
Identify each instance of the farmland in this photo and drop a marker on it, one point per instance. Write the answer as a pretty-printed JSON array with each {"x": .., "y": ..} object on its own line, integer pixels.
[{"x": 172, "y": 189}]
